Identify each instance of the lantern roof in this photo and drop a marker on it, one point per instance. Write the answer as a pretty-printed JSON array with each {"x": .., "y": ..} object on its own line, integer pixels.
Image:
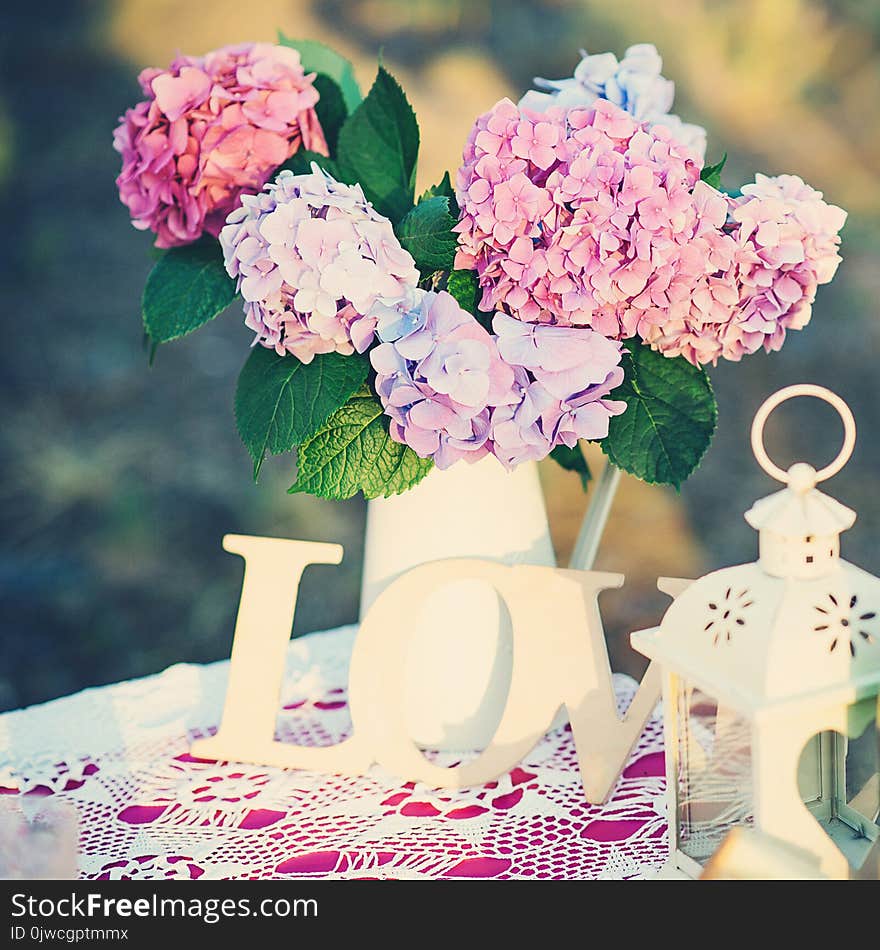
[
  {"x": 800, "y": 510},
  {"x": 798, "y": 620}
]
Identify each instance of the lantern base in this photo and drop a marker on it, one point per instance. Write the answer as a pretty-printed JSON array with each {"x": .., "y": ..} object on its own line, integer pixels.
[{"x": 671, "y": 872}]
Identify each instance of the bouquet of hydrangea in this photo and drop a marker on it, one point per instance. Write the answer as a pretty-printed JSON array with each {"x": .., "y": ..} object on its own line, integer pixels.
[{"x": 570, "y": 282}]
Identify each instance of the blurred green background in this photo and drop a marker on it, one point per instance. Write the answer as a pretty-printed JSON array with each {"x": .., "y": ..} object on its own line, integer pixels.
[{"x": 119, "y": 480}]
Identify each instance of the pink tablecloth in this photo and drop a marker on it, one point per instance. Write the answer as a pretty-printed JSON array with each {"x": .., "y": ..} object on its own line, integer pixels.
[{"x": 149, "y": 810}]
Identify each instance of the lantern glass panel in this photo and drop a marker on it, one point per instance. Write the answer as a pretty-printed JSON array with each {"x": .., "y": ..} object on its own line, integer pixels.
[
  {"x": 839, "y": 780},
  {"x": 714, "y": 772}
]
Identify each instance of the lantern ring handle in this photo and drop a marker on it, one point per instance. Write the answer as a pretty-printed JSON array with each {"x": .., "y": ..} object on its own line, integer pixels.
[{"x": 790, "y": 392}]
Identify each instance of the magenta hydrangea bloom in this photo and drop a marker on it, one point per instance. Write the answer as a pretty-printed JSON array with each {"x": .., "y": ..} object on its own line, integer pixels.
[
  {"x": 439, "y": 374},
  {"x": 785, "y": 242},
  {"x": 578, "y": 217},
  {"x": 312, "y": 258},
  {"x": 212, "y": 128},
  {"x": 563, "y": 377}
]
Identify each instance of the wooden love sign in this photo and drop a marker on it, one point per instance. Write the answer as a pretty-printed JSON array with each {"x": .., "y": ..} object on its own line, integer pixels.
[{"x": 559, "y": 659}]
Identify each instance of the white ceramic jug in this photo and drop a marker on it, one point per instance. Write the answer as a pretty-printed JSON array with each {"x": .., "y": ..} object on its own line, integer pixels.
[{"x": 460, "y": 654}]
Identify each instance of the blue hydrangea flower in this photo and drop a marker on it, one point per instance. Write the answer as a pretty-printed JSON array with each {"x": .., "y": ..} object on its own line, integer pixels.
[{"x": 634, "y": 83}]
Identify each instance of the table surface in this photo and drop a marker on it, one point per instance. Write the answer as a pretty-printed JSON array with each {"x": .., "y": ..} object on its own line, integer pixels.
[{"x": 148, "y": 810}]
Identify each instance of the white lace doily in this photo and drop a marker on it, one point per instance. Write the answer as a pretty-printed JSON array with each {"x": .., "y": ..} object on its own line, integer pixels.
[{"x": 119, "y": 754}]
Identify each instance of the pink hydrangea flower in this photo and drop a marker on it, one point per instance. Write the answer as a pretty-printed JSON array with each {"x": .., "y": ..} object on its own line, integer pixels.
[
  {"x": 618, "y": 234},
  {"x": 576, "y": 217},
  {"x": 212, "y": 128},
  {"x": 439, "y": 374},
  {"x": 312, "y": 259},
  {"x": 563, "y": 377},
  {"x": 784, "y": 241}
]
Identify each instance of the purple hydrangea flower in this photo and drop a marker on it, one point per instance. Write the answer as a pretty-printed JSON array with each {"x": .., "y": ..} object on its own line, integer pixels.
[
  {"x": 312, "y": 258},
  {"x": 563, "y": 377},
  {"x": 439, "y": 374}
]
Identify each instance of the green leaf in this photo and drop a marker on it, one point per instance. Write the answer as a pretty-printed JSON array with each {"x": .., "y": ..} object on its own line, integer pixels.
[
  {"x": 330, "y": 109},
  {"x": 426, "y": 232},
  {"x": 465, "y": 287},
  {"x": 281, "y": 402},
  {"x": 711, "y": 174},
  {"x": 300, "y": 163},
  {"x": 572, "y": 460},
  {"x": 669, "y": 421},
  {"x": 379, "y": 145},
  {"x": 443, "y": 189},
  {"x": 186, "y": 288},
  {"x": 318, "y": 58},
  {"x": 353, "y": 452}
]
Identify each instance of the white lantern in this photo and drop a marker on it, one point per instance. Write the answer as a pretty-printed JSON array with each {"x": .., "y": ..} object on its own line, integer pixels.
[{"x": 771, "y": 678}]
